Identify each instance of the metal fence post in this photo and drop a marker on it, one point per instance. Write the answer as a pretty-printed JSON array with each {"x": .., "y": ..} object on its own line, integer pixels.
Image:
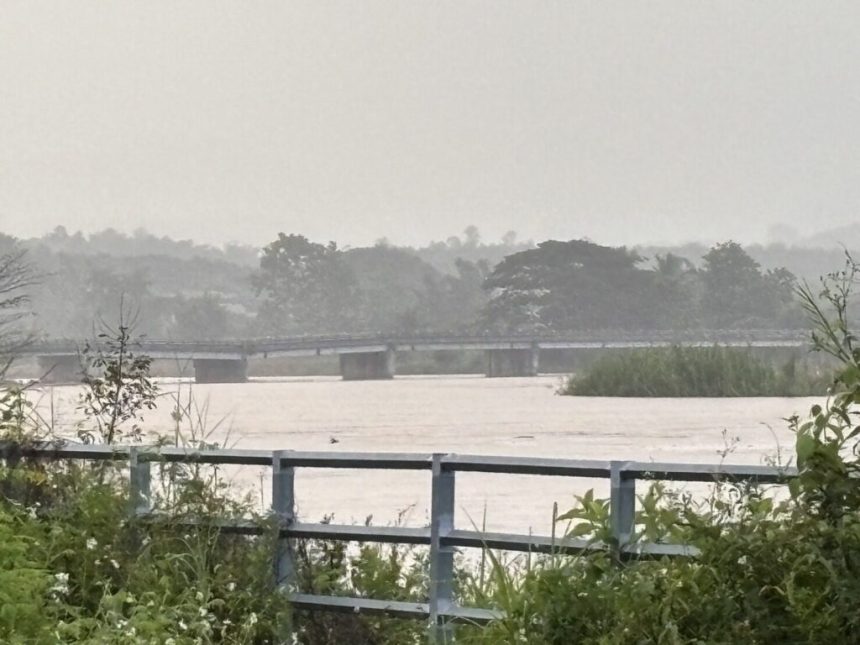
[
  {"x": 441, "y": 557},
  {"x": 284, "y": 508},
  {"x": 139, "y": 474},
  {"x": 622, "y": 504}
]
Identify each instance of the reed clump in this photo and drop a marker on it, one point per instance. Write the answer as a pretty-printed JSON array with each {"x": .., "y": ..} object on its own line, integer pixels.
[{"x": 678, "y": 371}]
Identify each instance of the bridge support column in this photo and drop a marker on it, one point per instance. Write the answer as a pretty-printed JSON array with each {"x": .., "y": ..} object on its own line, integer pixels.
[
  {"x": 60, "y": 369},
  {"x": 513, "y": 362},
  {"x": 220, "y": 370},
  {"x": 365, "y": 366}
]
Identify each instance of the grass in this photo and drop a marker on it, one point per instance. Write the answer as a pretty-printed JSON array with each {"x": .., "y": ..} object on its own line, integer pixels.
[{"x": 697, "y": 372}]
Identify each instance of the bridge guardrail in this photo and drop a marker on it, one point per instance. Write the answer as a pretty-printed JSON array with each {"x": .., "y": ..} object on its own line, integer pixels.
[
  {"x": 441, "y": 611},
  {"x": 253, "y": 346}
]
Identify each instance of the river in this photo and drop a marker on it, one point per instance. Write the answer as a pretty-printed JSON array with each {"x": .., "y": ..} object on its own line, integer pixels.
[{"x": 463, "y": 414}]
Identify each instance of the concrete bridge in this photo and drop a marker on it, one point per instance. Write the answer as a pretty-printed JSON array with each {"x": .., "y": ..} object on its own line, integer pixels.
[{"x": 365, "y": 357}]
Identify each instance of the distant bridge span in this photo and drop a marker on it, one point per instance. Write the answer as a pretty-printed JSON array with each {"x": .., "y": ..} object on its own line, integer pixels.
[{"x": 372, "y": 356}]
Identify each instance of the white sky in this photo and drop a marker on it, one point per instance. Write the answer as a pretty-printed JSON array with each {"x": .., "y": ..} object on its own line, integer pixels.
[{"x": 622, "y": 121}]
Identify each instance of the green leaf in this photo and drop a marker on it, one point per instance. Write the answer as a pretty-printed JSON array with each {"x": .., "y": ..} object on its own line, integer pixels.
[
  {"x": 580, "y": 530},
  {"x": 805, "y": 445}
]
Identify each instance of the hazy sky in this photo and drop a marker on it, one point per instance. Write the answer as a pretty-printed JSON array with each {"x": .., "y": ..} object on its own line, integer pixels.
[{"x": 352, "y": 120}]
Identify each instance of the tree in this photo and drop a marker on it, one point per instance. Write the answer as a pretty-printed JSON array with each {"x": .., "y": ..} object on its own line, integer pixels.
[
  {"x": 570, "y": 285},
  {"x": 306, "y": 288},
  {"x": 16, "y": 276},
  {"x": 200, "y": 317},
  {"x": 449, "y": 303},
  {"x": 509, "y": 238},
  {"x": 391, "y": 282},
  {"x": 678, "y": 288},
  {"x": 117, "y": 385},
  {"x": 473, "y": 236},
  {"x": 736, "y": 294}
]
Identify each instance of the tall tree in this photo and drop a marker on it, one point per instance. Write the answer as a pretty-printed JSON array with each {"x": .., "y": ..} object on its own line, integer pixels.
[
  {"x": 570, "y": 285},
  {"x": 450, "y": 303},
  {"x": 678, "y": 290},
  {"x": 306, "y": 288},
  {"x": 392, "y": 283},
  {"x": 737, "y": 294},
  {"x": 201, "y": 317}
]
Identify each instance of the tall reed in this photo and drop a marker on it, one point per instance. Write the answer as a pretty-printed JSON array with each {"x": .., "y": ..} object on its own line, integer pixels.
[{"x": 696, "y": 371}]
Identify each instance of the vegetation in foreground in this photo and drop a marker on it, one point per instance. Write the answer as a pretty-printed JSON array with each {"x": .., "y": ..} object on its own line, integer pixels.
[
  {"x": 697, "y": 371},
  {"x": 73, "y": 569}
]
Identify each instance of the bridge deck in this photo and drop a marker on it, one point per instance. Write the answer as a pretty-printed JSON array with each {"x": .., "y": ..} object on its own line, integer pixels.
[{"x": 329, "y": 345}]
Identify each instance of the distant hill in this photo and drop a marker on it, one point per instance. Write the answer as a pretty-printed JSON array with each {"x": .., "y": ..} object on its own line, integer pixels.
[{"x": 142, "y": 243}]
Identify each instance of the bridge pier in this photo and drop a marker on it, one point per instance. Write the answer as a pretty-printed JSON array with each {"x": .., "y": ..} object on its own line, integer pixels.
[
  {"x": 513, "y": 362},
  {"x": 365, "y": 366},
  {"x": 220, "y": 370},
  {"x": 60, "y": 369}
]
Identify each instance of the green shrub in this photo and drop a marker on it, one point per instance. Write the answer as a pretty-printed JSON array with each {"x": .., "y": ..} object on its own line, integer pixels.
[{"x": 24, "y": 584}]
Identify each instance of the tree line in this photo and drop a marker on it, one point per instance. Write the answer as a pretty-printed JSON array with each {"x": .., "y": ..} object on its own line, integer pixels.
[{"x": 297, "y": 286}]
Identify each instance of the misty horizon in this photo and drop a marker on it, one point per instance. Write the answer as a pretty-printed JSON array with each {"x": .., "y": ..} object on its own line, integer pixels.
[{"x": 842, "y": 236}]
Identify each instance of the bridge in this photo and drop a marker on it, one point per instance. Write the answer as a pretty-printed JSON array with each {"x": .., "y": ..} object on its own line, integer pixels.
[{"x": 365, "y": 357}]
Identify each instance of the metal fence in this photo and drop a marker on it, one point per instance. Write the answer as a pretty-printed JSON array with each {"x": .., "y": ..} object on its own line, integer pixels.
[{"x": 442, "y": 537}]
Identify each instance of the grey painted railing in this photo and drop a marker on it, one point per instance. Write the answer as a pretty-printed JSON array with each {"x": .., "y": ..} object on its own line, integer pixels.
[{"x": 441, "y": 536}]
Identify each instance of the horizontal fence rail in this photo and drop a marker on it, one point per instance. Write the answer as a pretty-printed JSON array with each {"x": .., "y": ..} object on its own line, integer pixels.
[{"x": 441, "y": 611}]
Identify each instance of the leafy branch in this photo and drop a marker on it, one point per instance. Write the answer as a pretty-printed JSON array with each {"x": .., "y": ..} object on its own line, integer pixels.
[{"x": 117, "y": 385}]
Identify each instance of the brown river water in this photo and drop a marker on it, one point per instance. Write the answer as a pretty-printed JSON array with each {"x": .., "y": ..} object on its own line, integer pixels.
[{"x": 461, "y": 414}]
